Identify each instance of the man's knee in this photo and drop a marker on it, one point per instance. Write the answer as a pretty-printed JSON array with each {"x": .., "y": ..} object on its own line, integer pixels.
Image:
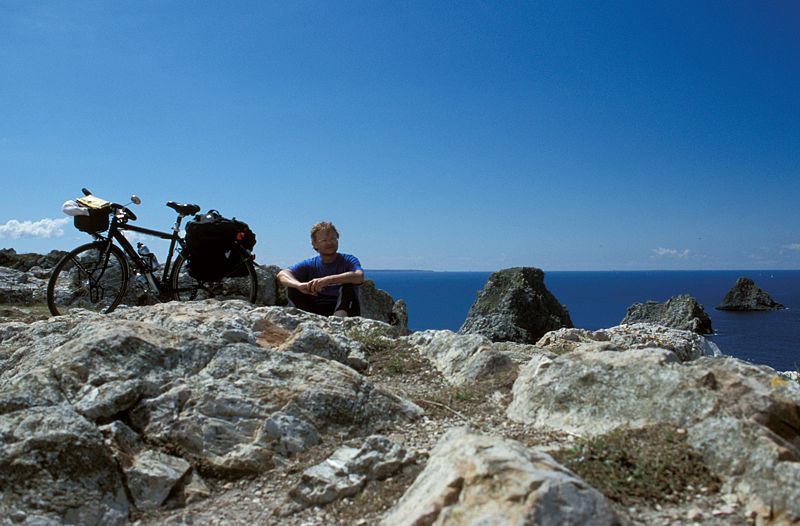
[{"x": 348, "y": 302}]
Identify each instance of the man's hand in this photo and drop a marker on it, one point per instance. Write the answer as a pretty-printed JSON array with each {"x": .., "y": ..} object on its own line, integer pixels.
[
  {"x": 305, "y": 288},
  {"x": 316, "y": 285}
]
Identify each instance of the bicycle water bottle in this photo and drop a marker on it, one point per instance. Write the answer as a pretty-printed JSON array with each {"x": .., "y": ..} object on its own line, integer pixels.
[{"x": 148, "y": 256}]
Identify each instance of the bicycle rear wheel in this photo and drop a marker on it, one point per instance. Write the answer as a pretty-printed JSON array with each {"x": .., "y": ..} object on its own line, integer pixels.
[
  {"x": 241, "y": 283},
  {"x": 93, "y": 276}
]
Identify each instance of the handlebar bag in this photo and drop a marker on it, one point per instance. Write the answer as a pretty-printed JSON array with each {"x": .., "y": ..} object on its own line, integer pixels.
[
  {"x": 96, "y": 221},
  {"x": 211, "y": 242}
]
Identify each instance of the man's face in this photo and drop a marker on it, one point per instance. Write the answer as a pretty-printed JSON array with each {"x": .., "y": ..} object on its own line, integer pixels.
[{"x": 326, "y": 242}]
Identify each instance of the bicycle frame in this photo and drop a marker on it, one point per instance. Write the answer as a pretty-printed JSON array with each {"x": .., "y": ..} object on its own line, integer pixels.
[{"x": 115, "y": 234}]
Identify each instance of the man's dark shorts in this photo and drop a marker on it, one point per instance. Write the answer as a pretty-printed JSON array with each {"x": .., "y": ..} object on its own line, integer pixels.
[{"x": 347, "y": 301}]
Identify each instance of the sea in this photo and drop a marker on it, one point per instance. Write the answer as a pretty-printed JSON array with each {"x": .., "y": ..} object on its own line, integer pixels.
[{"x": 596, "y": 300}]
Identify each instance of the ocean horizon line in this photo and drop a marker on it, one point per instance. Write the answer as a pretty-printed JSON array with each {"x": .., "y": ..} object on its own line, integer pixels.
[{"x": 592, "y": 270}]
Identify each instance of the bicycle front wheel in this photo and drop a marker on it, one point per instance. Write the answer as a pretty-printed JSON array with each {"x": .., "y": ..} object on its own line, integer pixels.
[
  {"x": 241, "y": 282},
  {"x": 93, "y": 276}
]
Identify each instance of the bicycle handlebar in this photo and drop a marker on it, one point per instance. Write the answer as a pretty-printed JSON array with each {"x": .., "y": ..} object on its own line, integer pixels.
[{"x": 127, "y": 213}]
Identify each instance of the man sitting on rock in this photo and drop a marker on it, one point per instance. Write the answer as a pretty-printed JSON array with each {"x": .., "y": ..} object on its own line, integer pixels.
[{"x": 327, "y": 284}]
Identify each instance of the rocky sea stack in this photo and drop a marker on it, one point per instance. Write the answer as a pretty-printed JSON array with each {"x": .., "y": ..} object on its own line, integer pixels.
[
  {"x": 679, "y": 312},
  {"x": 516, "y": 306},
  {"x": 746, "y": 296}
]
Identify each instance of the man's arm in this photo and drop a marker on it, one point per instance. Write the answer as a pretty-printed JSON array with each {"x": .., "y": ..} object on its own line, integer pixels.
[
  {"x": 286, "y": 278},
  {"x": 356, "y": 277}
]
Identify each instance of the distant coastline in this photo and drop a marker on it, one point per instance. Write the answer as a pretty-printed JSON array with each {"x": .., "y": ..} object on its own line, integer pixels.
[
  {"x": 761, "y": 270},
  {"x": 400, "y": 270}
]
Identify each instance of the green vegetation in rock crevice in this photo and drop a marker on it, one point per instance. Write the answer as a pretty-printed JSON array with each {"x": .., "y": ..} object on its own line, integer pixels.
[{"x": 652, "y": 465}]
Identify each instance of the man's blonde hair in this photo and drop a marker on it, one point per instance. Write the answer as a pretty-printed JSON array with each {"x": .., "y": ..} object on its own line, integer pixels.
[{"x": 323, "y": 225}]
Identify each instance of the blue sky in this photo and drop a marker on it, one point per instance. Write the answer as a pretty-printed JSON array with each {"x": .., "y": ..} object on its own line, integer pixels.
[{"x": 436, "y": 135}]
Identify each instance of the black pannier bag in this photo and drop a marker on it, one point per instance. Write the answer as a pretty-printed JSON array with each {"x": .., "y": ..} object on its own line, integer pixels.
[
  {"x": 96, "y": 221},
  {"x": 210, "y": 246}
]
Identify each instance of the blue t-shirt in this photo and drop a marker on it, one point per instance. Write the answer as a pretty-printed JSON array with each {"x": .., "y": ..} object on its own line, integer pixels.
[{"x": 313, "y": 268}]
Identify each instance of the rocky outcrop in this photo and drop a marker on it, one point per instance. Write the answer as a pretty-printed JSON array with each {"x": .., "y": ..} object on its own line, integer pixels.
[
  {"x": 515, "y": 305},
  {"x": 24, "y": 288},
  {"x": 686, "y": 345},
  {"x": 744, "y": 419},
  {"x": 199, "y": 383},
  {"x": 746, "y": 296},
  {"x": 377, "y": 304},
  {"x": 475, "y": 479},
  {"x": 25, "y": 262},
  {"x": 23, "y": 277},
  {"x": 210, "y": 411},
  {"x": 269, "y": 293},
  {"x": 679, "y": 312}
]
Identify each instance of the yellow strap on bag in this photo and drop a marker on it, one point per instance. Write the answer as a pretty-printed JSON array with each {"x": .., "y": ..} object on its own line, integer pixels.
[{"x": 91, "y": 201}]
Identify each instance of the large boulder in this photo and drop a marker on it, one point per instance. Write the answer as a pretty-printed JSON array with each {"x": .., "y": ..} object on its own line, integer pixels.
[
  {"x": 679, "y": 312},
  {"x": 165, "y": 393},
  {"x": 476, "y": 479},
  {"x": 686, "y": 345},
  {"x": 515, "y": 306},
  {"x": 746, "y": 296},
  {"x": 743, "y": 419},
  {"x": 377, "y": 304}
]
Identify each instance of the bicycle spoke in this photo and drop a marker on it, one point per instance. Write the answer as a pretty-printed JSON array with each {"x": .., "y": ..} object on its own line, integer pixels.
[
  {"x": 187, "y": 288},
  {"x": 88, "y": 278}
]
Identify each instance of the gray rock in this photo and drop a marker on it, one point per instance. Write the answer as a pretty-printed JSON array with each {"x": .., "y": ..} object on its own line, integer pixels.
[
  {"x": 152, "y": 476},
  {"x": 679, "y": 312},
  {"x": 744, "y": 419},
  {"x": 217, "y": 416},
  {"x": 18, "y": 287},
  {"x": 25, "y": 262},
  {"x": 109, "y": 399},
  {"x": 123, "y": 441},
  {"x": 515, "y": 306},
  {"x": 462, "y": 358},
  {"x": 475, "y": 479},
  {"x": 746, "y": 296},
  {"x": 686, "y": 345},
  {"x": 185, "y": 377},
  {"x": 269, "y": 293},
  {"x": 308, "y": 338},
  {"x": 346, "y": 472},
  {"x": 377, "y": 304},
  {"x": 290, "y": 317},
  {"x": 292, "y": 434},
  {"x": 54, "y": 466}
]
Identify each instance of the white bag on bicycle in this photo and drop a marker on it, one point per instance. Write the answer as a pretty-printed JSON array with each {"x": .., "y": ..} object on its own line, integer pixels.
[{"x": 73, "y": 209}]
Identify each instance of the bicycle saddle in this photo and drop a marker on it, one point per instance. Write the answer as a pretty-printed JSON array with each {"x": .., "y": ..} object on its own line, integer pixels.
[{"x": 184, "y": 210}]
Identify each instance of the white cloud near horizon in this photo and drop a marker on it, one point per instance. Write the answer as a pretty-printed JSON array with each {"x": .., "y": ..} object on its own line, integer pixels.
[
  {"x": 134, "y": 237},
  {"x": 671, "y": 253},
  {"x": 44, "y": 228},
  {"x": 792, "y": 246}
]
